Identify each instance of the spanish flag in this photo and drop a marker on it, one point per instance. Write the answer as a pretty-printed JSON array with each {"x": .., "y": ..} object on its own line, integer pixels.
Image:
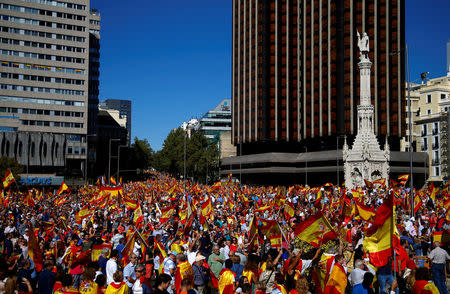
[
  {"x": 84, "y": 212},
  {"x": 183, "y": 271},
  {"x": 113, "y": 181},
  {"x": 338, "y": 280},
  {"x": 138, "y": 217},
  {"x": 365, "y": 212},
  {"x": 226, "y": 282},
  {"x": 34, "y": 252},
  {"x": 62, "y": 189},
  {"x": 166, "y": 214},
  {"x": 417, "y": 202},
  {"x": 289, "y": 210},
  {"x": 207, "y": 208},
  {"x": 8, "y": 179},
  {"x": 117, "y": 288},
  {"x": 315, "y": 230},
  {"x": 130, "y": 204},
  {"x": 424, "y": 287},
  {"x": 97, "y": 251},
  {"x": 128, "y": 249},
  {"x": 378, "y": 240},
  {"x": 403, "y": 179}
]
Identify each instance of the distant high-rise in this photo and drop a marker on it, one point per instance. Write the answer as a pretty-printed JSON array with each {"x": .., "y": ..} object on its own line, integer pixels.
[
  {"x": 48, "y": 79},
  {"x": 295, "y": 76},
  {"x": 124, "y": 108}
]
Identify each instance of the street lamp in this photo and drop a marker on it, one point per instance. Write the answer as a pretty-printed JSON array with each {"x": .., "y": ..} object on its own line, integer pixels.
[
  {"x": 109, "y": 157},
  {"x": 423, "y": 76},
  {"x": 118, "y": 159}
]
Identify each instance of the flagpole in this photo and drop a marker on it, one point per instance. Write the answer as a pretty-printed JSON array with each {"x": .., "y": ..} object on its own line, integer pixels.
[{"x": 282, "y": 234}]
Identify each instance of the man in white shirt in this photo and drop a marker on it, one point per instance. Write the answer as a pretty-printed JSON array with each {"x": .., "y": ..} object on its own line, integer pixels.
[
  {"x": 357, "y": 275},
  {"x": 111, "y": 266}
]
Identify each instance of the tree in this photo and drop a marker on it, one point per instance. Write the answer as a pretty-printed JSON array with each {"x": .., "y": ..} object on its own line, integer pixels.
[
  {"x": 7, "y": 163},
  {"x": 201, "y": 156},
  {"x": 141, "y": 154}
]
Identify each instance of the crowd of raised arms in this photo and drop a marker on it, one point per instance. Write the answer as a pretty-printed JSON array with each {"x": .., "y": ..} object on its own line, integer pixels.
[{"x": 165, "y": 236}]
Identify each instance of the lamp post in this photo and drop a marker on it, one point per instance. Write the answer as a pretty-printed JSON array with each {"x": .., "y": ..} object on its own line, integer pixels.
[
  {"x": 87, "y": 155},
  {"x": 109, "y": 157},
  {"x": 118, "y": 159},
  {"x": 408, "y": 83}
]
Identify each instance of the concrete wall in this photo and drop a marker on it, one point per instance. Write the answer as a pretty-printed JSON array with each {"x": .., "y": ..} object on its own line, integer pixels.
[{"x": 35, "y": 149}]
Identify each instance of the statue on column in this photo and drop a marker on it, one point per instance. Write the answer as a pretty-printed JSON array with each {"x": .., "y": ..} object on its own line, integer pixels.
[{"x": 363, "y": 45}]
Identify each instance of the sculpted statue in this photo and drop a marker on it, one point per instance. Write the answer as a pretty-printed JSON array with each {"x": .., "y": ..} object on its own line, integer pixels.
[{"x": 363, "y": 44}]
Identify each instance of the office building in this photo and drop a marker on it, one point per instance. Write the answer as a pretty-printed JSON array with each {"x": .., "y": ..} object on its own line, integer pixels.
[
  {"x": 46, "y": 80},
  {"x": 431, "y": 122},
  {"x": 295, "y": 71},
  {"x": 216, "y": 125},
  {"x": 124, "y": 108},
  {"x": 217, "y": 120},
  {"x": 295, "y": 86}
]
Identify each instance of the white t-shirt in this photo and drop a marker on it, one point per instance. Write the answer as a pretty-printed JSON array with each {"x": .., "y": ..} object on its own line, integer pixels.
[{"x": 111, "y": 268}]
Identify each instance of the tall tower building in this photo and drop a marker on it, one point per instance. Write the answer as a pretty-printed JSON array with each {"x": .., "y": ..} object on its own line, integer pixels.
[
  {"x": 49, "y": 80},
  {"x": 295, "y": 75}
]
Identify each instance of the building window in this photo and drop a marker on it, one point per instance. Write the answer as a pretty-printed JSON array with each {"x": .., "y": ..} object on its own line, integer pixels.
[
  {"x": 428, "y": 111},
  {"x": 436, "y": 171},
  {"x": 442, "y": 96},
  {"x": 429, "y": 98},
  {"x": 69, "y": 150}
]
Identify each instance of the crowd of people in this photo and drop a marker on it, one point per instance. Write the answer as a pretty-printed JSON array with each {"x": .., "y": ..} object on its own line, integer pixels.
[{"x": 165, "y": 236}]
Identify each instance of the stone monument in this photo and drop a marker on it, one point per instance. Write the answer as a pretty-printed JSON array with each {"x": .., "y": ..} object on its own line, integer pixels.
[{"x": 365, "y": 160}]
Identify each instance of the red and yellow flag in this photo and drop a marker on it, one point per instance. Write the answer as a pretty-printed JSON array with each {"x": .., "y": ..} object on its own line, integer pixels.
[
  {"x": 8, "y": 179},
  {"x": 289, "y": 210},
  {"x": 417, "y": 202},
  {"x": 226, "y": 282},
  {"x": 337, "y": 281},
  {"x": 183, "y": 271},
  {"x": 378, "y": 240},
  {"x": 138, "y": 217},
  {"x": 166, "y": 214},
  {"x": 62, "y": 189},
  {"x": 315, "y": 230},
  {"x": 34, "y": 252},
  {"x": 424, "y": 287},
  {"x": 365, "y": 212},
  {"x": 84, "y": 212},
  {"x": 130, "y": 204},
  {"x": 97, "y": 251},
  {"x": 113, "y": 181},
  {"x": 128, "y": 249}
]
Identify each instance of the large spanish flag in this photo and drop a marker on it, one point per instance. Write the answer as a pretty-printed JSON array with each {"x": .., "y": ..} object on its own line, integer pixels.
[
  {"x": 8, "y": 179},
  {"x": 226, "y": 282},
  {"x": 315, "y": 230},
  {"x": 166, "y": 214},
  {"x": 338, "y": 280},
  {"x": 365, "y": 212},
  {"x": 378, "y": 240},
  {"x": 183, "y": 271},
  {"x": 424, "y": 287}
]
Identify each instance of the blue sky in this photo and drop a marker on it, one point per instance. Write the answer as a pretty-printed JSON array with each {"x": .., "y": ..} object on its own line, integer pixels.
[{"x": 173, "y": 58}]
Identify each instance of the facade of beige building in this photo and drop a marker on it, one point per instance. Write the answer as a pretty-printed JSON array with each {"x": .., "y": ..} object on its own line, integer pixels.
[
  {"x": 46, "y": 84},
  {"x": 430, "y": 105}
]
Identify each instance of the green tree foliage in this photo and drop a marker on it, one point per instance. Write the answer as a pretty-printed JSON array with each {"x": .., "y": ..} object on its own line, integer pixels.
[
  {"x": 201, "y": 156},
  {"x": 7, "y": 163},
  {"x": 141, "y": 154}
]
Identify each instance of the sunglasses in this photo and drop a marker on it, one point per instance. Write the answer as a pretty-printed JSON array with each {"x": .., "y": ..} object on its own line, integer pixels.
[{"x": 140, "y": 271}]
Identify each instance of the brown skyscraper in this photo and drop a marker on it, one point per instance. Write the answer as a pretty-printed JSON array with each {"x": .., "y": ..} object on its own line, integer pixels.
[{"x": 295, "y": 74}]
